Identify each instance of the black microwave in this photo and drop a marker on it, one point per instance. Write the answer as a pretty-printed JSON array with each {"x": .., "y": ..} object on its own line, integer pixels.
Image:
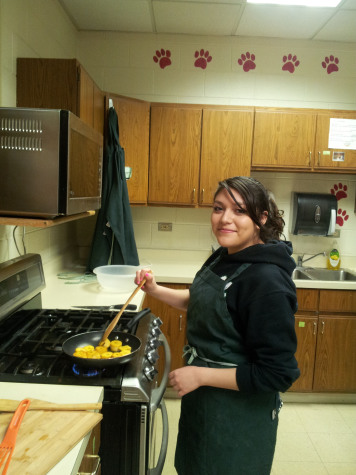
[{"x": 51, "y": 163}]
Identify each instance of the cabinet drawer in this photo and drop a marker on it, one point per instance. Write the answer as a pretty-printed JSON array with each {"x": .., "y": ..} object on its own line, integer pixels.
[
  {"x": 308, "y": 299},
  {"x": 337, "y": 301}
]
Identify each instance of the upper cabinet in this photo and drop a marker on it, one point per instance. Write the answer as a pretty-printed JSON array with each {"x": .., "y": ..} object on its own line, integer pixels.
[
  {"x": 333, "y": 159},
  {"x": 297, "y": 140},
  {"x": 226, "y": 148},
  {"x": 192, "y": 148},
  {"x": 283, "y": 138},
  {"x": 60, "y": 84},
  {"x": 134, "y": 126},
  {"x": 175, "y": 139}
]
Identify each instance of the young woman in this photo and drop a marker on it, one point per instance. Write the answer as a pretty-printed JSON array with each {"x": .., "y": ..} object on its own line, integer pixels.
[{"x": 240, "y": 330}]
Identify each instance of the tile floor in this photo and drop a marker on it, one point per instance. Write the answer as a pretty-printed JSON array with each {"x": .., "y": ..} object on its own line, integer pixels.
[{"x": 313, "y": 439}]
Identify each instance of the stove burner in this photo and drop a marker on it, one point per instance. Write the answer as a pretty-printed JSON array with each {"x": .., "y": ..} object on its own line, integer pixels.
[
  {"x": 86, "y": 372},
  {"x": 30, "y": 367}
]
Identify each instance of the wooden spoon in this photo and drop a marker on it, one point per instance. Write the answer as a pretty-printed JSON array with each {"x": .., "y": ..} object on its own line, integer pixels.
[{"x": 117, "y": 317}]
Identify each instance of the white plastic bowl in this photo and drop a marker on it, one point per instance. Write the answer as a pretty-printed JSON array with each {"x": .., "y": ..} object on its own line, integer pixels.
[{"x": 117, "y": 277}]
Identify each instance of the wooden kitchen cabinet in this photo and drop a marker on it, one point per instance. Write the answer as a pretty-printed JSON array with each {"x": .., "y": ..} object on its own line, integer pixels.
[
  {"x": 60, "y": 84},
  {"x": 297, "y": 140},
  {"x": 326, "y": 335},
  {"x": 323, "y": 155},
  {"x": 134, "y": 129},
  {"x": 192, "y": 148},
  {"x": 174, "y": 328},
  {"x": 175, "y": 138},
  {"x": 306, "y": 330},
  {"x": 283, "y": 138},
  {"x": 226, "y": 148},
  {"x": 335, "y": 362}
]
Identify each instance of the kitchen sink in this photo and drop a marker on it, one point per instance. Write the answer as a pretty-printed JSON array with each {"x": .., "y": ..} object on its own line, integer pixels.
[
  {"x": 312, "y": 273},
  {"x": 300, "y": 275}
]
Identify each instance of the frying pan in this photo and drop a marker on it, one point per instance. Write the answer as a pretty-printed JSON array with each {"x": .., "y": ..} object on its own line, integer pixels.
[{"x": 93, "y": 338}]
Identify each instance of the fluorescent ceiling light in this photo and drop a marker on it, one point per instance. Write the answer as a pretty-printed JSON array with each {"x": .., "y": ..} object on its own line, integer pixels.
[{"x": 304, "y": 3}]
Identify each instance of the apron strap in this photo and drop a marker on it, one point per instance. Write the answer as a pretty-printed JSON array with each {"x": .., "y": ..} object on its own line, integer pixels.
[{"x": 190, "y": 350}]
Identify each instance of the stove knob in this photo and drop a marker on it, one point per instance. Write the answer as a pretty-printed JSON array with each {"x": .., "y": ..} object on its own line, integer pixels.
[
  {"x": 150, "y": 373},
  {"x": 152, "y": 356},
  {"x": 157, "y": 322},
  {"x": 156, "y": 331},
  {"x": 154, "y": 343}
]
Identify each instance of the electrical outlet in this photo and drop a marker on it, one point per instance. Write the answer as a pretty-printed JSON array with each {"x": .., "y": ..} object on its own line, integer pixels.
[{"x": 164, "y": 226}]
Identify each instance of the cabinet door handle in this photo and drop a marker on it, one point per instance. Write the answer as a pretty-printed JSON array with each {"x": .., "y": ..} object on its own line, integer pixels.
[
  {"x": 310, "y": 158},
  {"x": 193, "y": 200},
  {"x": 202, "y": 195},
  {"x": 180, "y": 323},
  {"x": 322, "y": 327},
  {"x": 319, "y": 159},
  {"x": 314, "y": 328}
]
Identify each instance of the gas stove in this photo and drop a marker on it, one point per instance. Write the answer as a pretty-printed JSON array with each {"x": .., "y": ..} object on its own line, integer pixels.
[{"x": 31, "y": 340}]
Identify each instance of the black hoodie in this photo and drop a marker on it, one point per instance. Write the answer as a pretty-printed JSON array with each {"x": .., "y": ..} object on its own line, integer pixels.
[{"x": 262, "y": 302}]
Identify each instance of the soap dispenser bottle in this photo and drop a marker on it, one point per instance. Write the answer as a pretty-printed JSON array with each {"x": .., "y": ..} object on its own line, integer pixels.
[{"x": 333, "y": 259}]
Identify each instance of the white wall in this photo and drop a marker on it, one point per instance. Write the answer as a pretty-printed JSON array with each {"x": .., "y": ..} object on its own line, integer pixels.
[{"x": 123, "y": 64}]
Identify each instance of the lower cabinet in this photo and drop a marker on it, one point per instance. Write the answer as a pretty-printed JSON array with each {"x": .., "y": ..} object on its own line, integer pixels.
[
  {"x": 174, "y": 328},
  {"x": 326, "y": 350}
]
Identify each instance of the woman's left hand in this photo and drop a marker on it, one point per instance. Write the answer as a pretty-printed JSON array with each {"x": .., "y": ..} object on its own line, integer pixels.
[
  {"x": 184, "y": 380},
  {"x": 188, "y": 378}
]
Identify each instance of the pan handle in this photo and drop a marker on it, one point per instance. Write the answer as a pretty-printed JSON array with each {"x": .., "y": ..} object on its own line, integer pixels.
[
  {"x": 157, "y": 393},
  {"x": 137, "y": 317}
]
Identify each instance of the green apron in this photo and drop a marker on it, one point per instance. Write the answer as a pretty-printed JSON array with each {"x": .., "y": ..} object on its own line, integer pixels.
[{"x": 222, "y": 432}]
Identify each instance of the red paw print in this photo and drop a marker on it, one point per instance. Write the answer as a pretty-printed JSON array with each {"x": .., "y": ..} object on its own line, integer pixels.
[
  {"x": 290, "y": 63},
  {"x": 247, "y": 61},
  {"x": 339, "y": 191},
  {"x": 203, "y": 59},
  {"x": 163, "y": 58},
  {"x": 342, "y": 217},
  {"x": 330, "y": 64}
]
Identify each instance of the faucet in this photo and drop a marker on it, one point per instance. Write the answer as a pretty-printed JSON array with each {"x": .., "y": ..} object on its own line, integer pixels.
[{"x": 301, "y": 260}]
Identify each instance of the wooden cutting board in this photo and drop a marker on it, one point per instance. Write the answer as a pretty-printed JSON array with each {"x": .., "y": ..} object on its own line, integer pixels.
[{"x": 44, "y": 438}]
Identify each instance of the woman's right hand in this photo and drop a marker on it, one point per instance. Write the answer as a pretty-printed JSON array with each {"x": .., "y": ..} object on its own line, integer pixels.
[{"x": 150, "y": 283}]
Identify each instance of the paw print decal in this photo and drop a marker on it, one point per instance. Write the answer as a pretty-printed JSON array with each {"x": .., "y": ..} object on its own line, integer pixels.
[
  {"x": 290, "y": 63},
  {"x": 247, "y": 61},
  {"x": 203, "y": 58},
  {"x": 341, "y": 217},
  {"x": 163, "y": 58},
  {"x": 339, "y": 191},
  {"x": 330, "y": 64}
]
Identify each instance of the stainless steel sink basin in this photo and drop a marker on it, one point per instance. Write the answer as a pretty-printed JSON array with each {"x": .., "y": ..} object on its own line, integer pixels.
[
  {"x": 300, "y": 275},
  {"x": 310, "y": 273}
]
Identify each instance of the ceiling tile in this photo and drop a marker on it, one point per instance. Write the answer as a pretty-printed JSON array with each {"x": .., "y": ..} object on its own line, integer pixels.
[
  {"x": 110, "y": 15},
  {"x": 342, "y": 27},
  {"x": 282, "y": 22},
  {"x": 348, "y": 5},
  {"x": 195, "y": 18}
]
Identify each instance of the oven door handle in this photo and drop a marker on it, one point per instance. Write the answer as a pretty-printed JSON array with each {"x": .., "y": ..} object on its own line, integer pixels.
[
  {"x": 157, "y": 393},
  {"x": 157, "y": 470}
]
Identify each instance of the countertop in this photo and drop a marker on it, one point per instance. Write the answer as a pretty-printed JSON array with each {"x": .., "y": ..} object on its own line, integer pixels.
[
  {"x": 69, "y": 465},
  {"x": 181, "y": 267}
]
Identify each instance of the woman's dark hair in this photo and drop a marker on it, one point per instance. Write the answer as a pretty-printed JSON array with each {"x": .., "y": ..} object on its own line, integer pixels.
[{"x": 257, "y": 200}]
